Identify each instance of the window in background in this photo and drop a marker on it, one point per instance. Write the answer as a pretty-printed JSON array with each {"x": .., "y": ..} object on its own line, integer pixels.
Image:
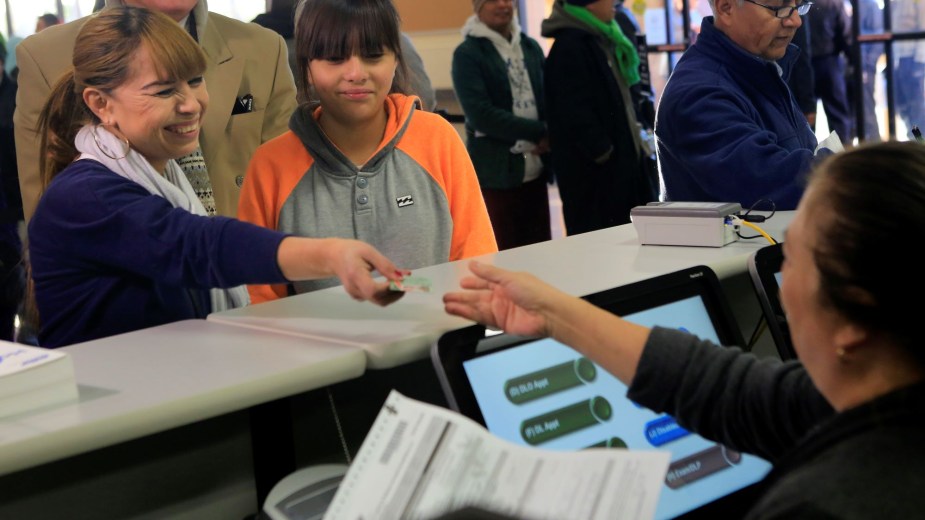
[{"x": 21, "y": 16}]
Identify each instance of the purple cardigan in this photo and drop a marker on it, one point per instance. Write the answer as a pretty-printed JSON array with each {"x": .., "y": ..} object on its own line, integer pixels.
[{"x": 108, "y": 257}]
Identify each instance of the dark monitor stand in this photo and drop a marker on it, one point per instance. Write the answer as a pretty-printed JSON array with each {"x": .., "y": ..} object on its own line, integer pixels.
[{"x": 764, "y": 266}]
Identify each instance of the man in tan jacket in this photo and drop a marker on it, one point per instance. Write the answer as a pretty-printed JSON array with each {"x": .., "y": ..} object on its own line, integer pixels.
[{"x": 248, "y": 77}]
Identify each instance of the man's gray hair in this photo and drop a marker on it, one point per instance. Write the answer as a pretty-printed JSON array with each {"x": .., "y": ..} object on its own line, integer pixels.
[{"x": 713, "y": 7}]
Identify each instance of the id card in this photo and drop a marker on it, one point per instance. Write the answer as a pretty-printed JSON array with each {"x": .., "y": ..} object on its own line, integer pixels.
[{"x": 411, "y": 284}]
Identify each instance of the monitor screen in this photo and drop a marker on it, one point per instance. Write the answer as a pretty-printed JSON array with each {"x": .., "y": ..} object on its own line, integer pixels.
[
  {"x": 538, "y": 392},
  {"x": 764, "y": 267}
]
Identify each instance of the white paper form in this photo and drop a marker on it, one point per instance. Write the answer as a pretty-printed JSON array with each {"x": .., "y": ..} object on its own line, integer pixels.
[
  {"x": 420, "y": 461},
  {"x": 832, "y": 142}
]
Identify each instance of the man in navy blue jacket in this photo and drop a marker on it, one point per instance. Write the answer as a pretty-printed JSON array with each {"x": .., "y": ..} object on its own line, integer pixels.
[{"x": 727, "y": 128}]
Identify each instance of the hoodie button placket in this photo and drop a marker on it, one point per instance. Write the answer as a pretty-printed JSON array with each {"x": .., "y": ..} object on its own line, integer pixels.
[{"x": 362, "y": 198}]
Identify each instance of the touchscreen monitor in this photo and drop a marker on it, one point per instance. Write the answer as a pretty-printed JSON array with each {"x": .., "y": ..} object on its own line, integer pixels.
[{"x": 538, "y": 392}]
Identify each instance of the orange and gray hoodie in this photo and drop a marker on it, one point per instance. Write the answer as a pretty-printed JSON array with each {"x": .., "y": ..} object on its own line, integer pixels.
[{"x": 417, "y": 200}]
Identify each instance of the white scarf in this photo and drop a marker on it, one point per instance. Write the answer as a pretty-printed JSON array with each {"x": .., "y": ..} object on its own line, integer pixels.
[
  {"x": 99, "y": 144},
  {"x": 521, "y": 87}
]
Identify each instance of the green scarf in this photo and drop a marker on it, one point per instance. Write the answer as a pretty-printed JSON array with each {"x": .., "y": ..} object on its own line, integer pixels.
[{"x": 627, "y": 58}]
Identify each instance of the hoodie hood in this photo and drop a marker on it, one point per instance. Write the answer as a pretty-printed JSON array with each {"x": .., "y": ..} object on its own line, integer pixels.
[
  {"x": 477, "y": 29},
  {"x": 304, "y": 124}
]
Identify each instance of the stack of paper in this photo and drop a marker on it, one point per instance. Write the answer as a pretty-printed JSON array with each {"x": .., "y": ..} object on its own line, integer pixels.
[
  {"x": 420, "y": 461},
  {"x": 32, "y": 377}
]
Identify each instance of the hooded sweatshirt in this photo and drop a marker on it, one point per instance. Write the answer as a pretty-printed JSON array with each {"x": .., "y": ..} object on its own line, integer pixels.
[{"x": 417, "y": 199}]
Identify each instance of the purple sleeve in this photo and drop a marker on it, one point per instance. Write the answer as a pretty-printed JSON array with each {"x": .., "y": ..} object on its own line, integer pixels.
[{"x": 101, "y": 219}]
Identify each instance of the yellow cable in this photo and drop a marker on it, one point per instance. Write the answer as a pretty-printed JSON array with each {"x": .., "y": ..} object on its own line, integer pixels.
[{"x": 758, "y": 229}]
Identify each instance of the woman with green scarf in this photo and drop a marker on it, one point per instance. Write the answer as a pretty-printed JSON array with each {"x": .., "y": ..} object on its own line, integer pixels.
[{"x": 599, "y": 152}]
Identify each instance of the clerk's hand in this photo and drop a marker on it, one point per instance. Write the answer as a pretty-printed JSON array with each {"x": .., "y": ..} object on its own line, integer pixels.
[
  {"x": 513, "y": 302},
  {"x": 519, "y": 303}
]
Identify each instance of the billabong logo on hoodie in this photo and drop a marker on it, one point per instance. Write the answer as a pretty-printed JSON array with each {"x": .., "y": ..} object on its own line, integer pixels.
[{"x": 403, "y": 201}]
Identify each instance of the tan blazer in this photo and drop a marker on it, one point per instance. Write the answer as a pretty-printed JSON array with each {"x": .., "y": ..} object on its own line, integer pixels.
[{"x": 243, "y": 58}]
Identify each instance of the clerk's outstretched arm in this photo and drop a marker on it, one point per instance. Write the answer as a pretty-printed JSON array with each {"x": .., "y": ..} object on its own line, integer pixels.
[{"x": 519, "y": 303}]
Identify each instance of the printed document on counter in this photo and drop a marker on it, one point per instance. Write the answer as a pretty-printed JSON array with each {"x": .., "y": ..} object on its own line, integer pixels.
[
  {"x": 420, "y": 461},
  {"x": 33, "y": 377}
]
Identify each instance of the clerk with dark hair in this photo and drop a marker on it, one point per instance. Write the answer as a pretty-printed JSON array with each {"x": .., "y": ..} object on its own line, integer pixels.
[{"x": 843, "y": 425}]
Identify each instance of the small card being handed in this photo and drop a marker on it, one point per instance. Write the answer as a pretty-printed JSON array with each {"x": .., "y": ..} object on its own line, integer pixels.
[{"x": 411, "y": 284}]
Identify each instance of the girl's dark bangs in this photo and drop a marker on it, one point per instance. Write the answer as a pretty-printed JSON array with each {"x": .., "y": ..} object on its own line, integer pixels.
[{"x": 360, "y": 32}]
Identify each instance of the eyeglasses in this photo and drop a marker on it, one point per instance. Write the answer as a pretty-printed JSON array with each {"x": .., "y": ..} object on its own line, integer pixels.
[{"x": 787, "y": 10}]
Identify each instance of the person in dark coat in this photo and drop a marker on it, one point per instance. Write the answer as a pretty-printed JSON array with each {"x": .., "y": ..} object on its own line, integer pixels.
[
  {"x": 498, "y": 79},
  {"x": 598, "y": 148},
  {"x": 802, "y": 81},
  {"x": 830, "y": 39},
  {"x": 12, "y": 281},
  {"x": 871, "y": 19}
]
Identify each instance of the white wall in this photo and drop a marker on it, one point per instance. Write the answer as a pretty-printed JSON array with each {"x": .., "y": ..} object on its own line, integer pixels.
[{"x": 436, "y": 50}]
